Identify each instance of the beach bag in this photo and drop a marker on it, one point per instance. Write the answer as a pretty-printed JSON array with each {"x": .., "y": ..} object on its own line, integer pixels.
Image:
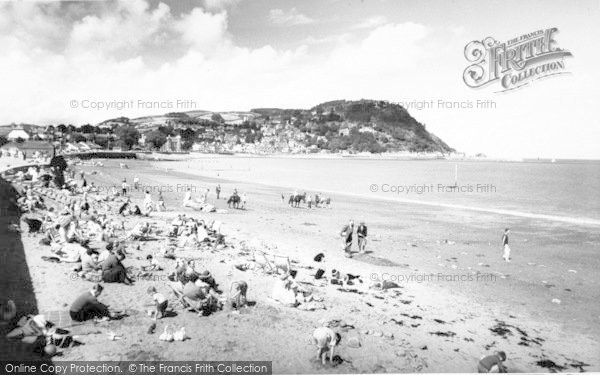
[
  {"x": 167, "y": 334},
  {"x": 180, "y": 334}
]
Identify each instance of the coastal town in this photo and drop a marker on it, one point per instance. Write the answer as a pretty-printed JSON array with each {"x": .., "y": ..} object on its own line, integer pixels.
[{"x": 362, "y": 127}]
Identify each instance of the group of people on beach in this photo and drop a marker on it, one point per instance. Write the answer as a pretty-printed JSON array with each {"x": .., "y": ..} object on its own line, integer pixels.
[
  {"x": 74, "y": 215},
  {"x": 318, "y": 201},
  {"x": 87, "y": 215},
  {"x": 347, "y": 237}
]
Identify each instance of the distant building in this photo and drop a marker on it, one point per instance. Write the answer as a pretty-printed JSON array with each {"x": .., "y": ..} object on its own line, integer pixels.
[
  {"x": 173, "y": 144},
  {"x": 29, "y": 147},
  {"x": 15, "y": 134}
]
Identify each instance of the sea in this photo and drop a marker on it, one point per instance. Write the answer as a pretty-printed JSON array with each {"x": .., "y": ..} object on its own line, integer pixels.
[{"x": 561, "y": 190}]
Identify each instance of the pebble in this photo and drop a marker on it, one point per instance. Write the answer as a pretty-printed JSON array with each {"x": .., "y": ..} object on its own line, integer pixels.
[
  {"x": 365, "y": 331},
  {"x": 353, "y": 342},
  {"x": 377, "y": 334},
  {"x": 389, "y": 335},
  {"x": 556, "y": 300}
]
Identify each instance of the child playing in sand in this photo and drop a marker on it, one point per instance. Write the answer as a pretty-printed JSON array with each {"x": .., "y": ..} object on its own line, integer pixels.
[
  {"x": 492, "y": 363},
  {"x": 237, "y": 293},
  {"x": 325, "y": 340},
  {"x": 152, "y": 265},
  {"x": 160, "y": 303}
]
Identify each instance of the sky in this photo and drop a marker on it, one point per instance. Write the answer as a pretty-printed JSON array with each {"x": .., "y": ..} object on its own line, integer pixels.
[{"x": 79, "y": 62}]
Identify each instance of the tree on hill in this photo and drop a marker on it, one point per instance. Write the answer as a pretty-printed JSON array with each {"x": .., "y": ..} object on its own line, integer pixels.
[
  {"x": 156, "y": 138},
  {"x": 87, "y": 129},
  {"x": 167, "y": 130},
  {"x": 128, "y": 135}
]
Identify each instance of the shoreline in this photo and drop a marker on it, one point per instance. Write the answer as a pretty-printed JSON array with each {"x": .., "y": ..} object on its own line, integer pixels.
[{"x": 583, "y": 221}]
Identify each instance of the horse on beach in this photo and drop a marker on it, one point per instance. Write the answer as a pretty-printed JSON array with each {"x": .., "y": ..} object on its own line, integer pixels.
[
  {"x": 234, "y": 200},
  {"x": 296, "y": 199}
]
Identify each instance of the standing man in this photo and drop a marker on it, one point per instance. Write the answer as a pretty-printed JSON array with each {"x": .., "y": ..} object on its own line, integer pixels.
[
  {"x": 136, "y": 182},
  {"x": 346, "y": 235},
  {"x": 218, "y": 191},
  {"x": 505, "y": 248},
  {"x": 361, "y": 233},
  {"x": 124, "y": 187},
  {"x": 244, "y": 199}
]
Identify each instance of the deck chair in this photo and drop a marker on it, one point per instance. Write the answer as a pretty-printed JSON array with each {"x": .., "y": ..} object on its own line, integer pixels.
[{"x": 180, "y": 298}]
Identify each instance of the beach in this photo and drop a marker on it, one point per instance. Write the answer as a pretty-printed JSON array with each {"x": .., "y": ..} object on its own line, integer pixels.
[{"x": 457, "y": 298}]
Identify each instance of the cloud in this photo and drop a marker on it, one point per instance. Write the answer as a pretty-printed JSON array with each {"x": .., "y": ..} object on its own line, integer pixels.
[
  {"x": 371, "y": 22},
  {"x": 290, "y": 18},
  {"x": 131, "y": 50},
  {"x": 219, "y": 5}
]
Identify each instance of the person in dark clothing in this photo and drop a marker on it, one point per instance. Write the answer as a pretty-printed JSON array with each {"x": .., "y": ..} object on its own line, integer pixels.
[
  {"x": 346, "y": 235},
  {"x": 492, "y": 363},
  {"x": 113, "y": 270},
  {"x": 87, "y": 307},
  {"x": 361, "y": 233}
]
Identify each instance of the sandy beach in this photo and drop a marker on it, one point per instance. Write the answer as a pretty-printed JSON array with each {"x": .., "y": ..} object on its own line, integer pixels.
[{"x": 457, "y": 299}]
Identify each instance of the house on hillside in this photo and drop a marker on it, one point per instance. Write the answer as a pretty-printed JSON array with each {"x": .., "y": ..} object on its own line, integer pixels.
[
  {"x": 173, "y": 144},
  {"x": 19, "y": 133}
]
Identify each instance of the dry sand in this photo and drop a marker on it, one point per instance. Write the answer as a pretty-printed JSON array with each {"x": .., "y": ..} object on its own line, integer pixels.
[{"x": 437, "y": 326}]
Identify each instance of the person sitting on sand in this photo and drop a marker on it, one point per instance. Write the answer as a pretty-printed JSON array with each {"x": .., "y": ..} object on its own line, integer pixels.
[
  {"x": 152, "y": 264},
  {"x": 177, "y": 226},
  {"x": 113, "y": 270},
  {"x": 33, "y": 326},
  {"x": 135, "y": 210},
  {"x": 87, "y": 307},
  {"x": 326, "y": 340},
  {"x": 72, "y": 252},
  {"x": 89, "y": 263},
  {"x": 346, "y": 235},
  {"x": 160, "y": 303},
  {"x": 194, "y": 294},
  {"x": 492, "y": 363},
  {"x": 124, "y": 208},
  {"x": 105, "y": 253},
  {"x": 207, "y": 278},
  {"x": 140, "y": 231}
]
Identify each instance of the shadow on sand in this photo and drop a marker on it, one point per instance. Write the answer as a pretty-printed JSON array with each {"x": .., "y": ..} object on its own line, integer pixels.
[{"x": 15, "y": 280}]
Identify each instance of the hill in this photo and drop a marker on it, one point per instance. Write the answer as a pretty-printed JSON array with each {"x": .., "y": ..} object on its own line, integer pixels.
[{"x": 335, "y": 126}]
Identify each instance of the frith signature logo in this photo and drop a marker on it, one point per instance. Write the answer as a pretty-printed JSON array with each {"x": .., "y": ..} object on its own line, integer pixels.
[{"x": 516, "y": 62}]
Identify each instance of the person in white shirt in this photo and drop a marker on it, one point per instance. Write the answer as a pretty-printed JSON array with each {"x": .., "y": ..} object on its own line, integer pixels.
[
  {"x": 148, "y": 204},
  {"x": 325, "y": 340}
]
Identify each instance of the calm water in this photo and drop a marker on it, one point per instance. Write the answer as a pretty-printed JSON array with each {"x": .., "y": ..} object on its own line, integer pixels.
[{"x": 567, "y": 189}]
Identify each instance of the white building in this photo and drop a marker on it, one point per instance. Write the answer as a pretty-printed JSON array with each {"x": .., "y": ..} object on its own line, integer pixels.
[{"x": 18, "y": 133}]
